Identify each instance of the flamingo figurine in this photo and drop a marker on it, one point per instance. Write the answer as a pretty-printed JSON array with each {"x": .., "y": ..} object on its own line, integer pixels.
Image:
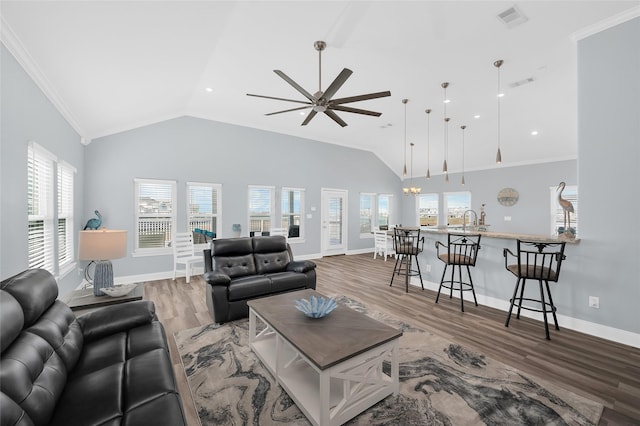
[
  {"x": 94, "y": 223},
  {"x": 567, "y": 207}
]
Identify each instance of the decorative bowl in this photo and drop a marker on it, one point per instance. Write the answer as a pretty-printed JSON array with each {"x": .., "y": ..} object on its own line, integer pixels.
[
  {"x": 118, "y": 291},
  {"x": 316, "y": 307}
]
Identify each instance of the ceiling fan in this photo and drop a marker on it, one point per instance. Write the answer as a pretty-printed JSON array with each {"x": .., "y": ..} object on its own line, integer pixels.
[{"x": 322, "y": 101}]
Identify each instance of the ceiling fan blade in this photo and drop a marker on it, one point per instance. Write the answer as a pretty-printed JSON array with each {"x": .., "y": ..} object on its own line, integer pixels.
[
  {"x": 355, "y": 110},
  {"x": 337, "y": 83},
  {"x": 360, "y": 98},
  {"x": 279, "y": 99},
  {"x": 312, "y": 114},
  {"x": 288, "y": 110},
  {"x": 335, "y": 117},
  {"x": 295, "y": 85}
]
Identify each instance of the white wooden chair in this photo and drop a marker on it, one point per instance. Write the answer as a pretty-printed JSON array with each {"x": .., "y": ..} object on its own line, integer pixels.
[
  {"x": 183, "y": 253},
  {"x": 383, "y": 244}
]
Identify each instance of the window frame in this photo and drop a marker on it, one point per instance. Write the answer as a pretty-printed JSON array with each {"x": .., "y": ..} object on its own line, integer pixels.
[
  {"x": 570, "y": 193},
  {"x": 272, "y": 207},
  {"x": 301, "y": 225},
  {"x": 217, "y": 215},
  {"x": 445, "y": 206},
  {"x": 371, "y": 217},
  {"x": 390, "y": 209},
  {"x": 65, "y": 211},
  {"x": 41, "y": 207},
  {"x": 154, "y": 251},
  {"x": 437, "y": 215}
]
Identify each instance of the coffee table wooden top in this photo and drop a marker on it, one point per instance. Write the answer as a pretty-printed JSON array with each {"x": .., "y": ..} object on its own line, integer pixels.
[{"x": 341, "y": 335}]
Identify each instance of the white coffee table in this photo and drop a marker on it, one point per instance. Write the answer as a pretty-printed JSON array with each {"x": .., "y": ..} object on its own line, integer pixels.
[{"x": 331, "y": 367}]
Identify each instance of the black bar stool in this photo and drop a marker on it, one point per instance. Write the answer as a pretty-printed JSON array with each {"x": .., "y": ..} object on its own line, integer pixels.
[
  {"x": 462, "y": 250},
  {"x": 539, "y": 261},
  {"x": 407, "y": 244}
]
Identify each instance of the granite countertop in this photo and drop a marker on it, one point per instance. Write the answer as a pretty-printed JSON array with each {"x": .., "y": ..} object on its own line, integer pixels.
[{"x": 503, "y": 235}]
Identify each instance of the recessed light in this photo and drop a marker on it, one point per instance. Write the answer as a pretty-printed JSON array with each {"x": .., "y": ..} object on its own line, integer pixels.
[
  {"x": 209, "y": 89},
  {"x": 500, "y": 95},
  {"x": 446, "y": 101},
  {"x": 302, "y": 113},
  {"x": 476, "y": 116},
  {"x": 534, "y": 133}
]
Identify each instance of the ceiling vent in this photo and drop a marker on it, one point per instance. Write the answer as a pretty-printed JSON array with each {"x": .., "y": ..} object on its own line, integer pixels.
[
  {"x": 512, "y": 17},
  {"x": 521, "y": 82}
]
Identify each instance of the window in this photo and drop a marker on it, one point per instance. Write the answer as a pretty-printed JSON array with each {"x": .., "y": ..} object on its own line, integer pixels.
[
  {"x": 261, "y": 208},
  {"x": 455, "y": 204},
  {"x": 366, "y": 213},
  {"x": 384, "y": 210},
  {"x": 155, "y": 215},
  {"x": 203, "y": 206},
  {"x": 428, "y": 209},
  {"x": 570, "y": 194},
  {"x": 292, "y": 210},
  {"x": 65, "y": 215},
  {"x": 40, "y": 200}
]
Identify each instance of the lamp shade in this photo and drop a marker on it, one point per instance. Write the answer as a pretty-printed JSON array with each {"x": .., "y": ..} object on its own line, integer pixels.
[{"x": 102, "y": 244}]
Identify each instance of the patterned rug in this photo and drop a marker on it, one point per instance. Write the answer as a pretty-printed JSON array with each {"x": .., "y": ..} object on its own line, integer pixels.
[{"x": 441, "y": 383}]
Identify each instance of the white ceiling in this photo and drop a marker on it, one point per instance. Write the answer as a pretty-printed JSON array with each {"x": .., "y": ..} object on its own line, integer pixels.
[{"x": 110, "y": 66}]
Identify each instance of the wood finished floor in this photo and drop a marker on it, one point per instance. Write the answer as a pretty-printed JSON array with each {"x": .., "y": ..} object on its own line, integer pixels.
[{"x": 599, "y": 369}]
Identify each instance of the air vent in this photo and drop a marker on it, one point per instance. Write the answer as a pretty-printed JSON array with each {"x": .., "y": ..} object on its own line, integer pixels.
[
  {"x": 512, "y": 17},
  {"x": 521, "y": 82}
]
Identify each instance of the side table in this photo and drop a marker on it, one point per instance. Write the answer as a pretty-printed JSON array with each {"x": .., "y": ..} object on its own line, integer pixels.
[{"x": 81, "y": 300}]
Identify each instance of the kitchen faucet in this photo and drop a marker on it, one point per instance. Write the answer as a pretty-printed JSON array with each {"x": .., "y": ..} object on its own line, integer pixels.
[{"x": 464, "y": 219}]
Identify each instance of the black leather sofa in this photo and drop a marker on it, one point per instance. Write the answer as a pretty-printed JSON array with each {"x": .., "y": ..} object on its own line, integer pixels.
[
  {"x": 107, "y": 367},
  {"x": 241, "y": 269}
]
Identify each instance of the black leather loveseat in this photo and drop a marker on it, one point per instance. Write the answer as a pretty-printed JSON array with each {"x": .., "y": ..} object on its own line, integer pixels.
[
  {"x": 108, "y": 367},
  {"x": 241, "y": 269}
]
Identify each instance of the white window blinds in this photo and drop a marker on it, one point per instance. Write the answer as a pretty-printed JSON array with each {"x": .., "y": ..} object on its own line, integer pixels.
[
  {"x": 203, "y": 205},
  {"x": 40, "y": 165},
  {"x": 65, "y": 214},
  {"x": 155, "y": 214},
  {"x": 292, "y": 208},
  {"x": 261, "y": 207}
]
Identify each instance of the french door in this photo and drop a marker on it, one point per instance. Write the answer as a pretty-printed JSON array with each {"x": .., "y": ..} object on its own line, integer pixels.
[{"x": 334, "y": 222}]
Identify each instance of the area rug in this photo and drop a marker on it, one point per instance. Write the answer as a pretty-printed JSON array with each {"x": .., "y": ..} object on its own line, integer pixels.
[{"x": 441, "y": 383}]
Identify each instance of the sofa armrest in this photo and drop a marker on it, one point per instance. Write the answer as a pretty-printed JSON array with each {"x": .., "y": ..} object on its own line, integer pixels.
[
  {"x": 115, "y": 319},
  {"x": 301, "y": 266},
  {"x": 217, "y": 278}
]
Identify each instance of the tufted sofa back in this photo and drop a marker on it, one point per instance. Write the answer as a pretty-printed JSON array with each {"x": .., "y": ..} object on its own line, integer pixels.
[
  {"x": 271, "y": 254},
  {"x": 239, "y": 257},
  {"x": 41, "y": 342}
]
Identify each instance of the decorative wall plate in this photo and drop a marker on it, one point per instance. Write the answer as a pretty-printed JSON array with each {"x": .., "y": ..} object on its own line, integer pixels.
[{"x": 508, "y": 196}]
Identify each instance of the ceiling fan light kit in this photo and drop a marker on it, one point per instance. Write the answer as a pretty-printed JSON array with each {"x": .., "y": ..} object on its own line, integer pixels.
[{"x": 322, "y": 101}]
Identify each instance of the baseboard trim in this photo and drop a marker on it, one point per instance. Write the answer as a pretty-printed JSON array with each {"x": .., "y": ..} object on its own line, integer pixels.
[{"x": 593, "y": 329}]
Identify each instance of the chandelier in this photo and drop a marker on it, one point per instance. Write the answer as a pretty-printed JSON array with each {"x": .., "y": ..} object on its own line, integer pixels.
[{"x": 411, "y": 189}]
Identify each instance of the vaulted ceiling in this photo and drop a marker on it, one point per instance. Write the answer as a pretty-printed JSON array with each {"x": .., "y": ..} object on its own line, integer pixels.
[{"x": 111, "y": 66}]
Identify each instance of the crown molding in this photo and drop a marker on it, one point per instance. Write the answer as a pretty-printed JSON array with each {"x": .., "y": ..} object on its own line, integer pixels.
[
  {"x": 17, "y": 49},
  {"x": 605, "y": 24}
]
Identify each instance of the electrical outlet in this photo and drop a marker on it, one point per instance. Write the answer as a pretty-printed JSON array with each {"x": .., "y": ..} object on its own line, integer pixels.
[
  {"x": 594, "y": 302},
  {"x": 428, "y": 268}
]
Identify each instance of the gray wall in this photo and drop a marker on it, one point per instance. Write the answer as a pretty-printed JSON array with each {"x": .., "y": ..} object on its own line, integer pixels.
[
  {"x": 192, "y": 149},
  {"x": 608, "y": 172},
  {"x": 530, "y": 215},
  {"x": 27, "y": 115}
]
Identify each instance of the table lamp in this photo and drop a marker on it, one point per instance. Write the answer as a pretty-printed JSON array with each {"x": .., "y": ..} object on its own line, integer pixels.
[{"x": 100, "y": 246}]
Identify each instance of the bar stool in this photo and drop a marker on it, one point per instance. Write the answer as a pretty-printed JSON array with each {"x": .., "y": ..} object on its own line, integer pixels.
[
  {"x": 539, "y": 261},
  {"x": 407, "y": 244},
  {"x": 462, "y": 250}
]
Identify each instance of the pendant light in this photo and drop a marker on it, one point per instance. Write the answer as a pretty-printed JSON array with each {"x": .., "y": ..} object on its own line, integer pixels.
[
  {"x": 498, "y": 64},
  {"x": 445, "y": 169},
  {"x": 404, "y": 169},
  {"x": 428, "y": 111},
  {"x": 463, "y": 127},
  {"x": 411, "y": 189}
]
